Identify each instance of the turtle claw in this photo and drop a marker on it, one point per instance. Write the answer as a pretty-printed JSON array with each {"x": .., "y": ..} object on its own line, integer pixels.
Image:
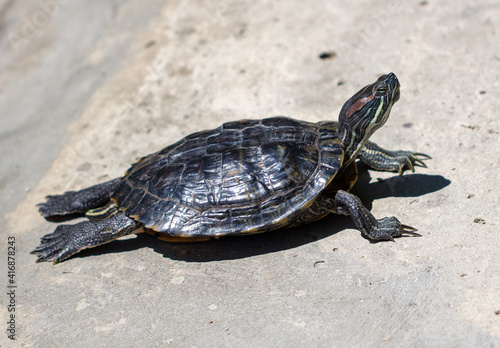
[
  {"x": 408, "y": 164},
  {"x": 422, "y": 155},
  {"x": 412, "y": 160},
  {"x": 418, "y": 159},
  {"x": 408, "y": 230},
  {"x": 419, "y": 162}
]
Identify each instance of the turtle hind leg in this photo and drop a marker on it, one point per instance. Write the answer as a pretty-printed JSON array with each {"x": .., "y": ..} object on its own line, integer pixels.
[
  {"x": 78, "y": 202},
  {"x": 67, "y": 240},
  {"x": 346, "y": 203},
  {"x": 391, "y": 161}
]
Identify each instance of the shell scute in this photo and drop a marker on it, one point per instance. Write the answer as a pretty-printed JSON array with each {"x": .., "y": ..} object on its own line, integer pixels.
[{"x": 244, "y": 177}]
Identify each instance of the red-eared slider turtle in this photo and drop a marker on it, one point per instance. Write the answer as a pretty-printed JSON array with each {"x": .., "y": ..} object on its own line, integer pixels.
[{"x": 244, "y": 177}]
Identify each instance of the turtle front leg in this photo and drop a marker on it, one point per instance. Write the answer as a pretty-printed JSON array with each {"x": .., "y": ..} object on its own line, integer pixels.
[
  {"x": 391, "y": 161},
  {"x": 387, "y": 228}
]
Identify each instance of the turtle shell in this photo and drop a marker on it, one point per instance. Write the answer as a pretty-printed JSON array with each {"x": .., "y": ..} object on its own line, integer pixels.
[{"x": 248, "y": 176}]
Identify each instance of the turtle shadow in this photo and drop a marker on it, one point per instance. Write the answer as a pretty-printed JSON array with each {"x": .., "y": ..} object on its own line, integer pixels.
[
  {"x": 228, "y": 247},
  {"x": 238, "y": 247},
  {"x": 407, "y": 185}
]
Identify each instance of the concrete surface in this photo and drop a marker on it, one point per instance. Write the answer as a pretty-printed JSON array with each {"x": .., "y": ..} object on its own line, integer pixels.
[{"x": 87, "y": 87}]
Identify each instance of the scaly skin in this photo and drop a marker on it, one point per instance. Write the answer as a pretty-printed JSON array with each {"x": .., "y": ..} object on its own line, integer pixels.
[
  {"x": 391, "y": 161},
  {"x": 387, "y": 228},
  {"x": 68, "y": 240},
  {"x": 78, "y": 202}
]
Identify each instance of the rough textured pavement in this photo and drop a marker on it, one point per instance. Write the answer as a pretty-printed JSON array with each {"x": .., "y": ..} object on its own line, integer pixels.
[{"x": 88, "y": 87}]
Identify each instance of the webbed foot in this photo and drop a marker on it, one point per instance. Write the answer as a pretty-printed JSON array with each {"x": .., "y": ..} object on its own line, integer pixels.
[
  {"x": 61, "y": 244},
  {"x": 387, "y": 228},
  {"x": 72, "y": 202},
  {"x": 67, "y": 240}
]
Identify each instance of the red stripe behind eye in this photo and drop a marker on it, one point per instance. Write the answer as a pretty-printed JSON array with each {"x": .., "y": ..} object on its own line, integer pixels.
[{"x": 358, "y": 105}]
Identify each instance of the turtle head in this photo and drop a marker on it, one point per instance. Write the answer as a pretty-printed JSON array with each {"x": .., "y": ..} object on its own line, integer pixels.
[{"x": 366, "y": 112}]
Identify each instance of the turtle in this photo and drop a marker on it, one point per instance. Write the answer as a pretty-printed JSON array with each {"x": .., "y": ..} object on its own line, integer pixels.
[{"x": 244, "y": 177}]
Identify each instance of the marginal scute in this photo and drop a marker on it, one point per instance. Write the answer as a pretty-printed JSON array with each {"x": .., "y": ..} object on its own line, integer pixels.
[
  {"x": 242, "y": 124},
  {"x": 244, "y": 177},
  {"x": 216, "y": 144}
]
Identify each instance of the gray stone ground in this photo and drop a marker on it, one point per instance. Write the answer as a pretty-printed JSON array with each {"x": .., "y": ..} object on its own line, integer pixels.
[{"x": 87, "y": 87}]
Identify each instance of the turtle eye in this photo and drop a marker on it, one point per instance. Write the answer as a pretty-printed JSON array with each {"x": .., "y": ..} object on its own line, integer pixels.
[{"x": 381, "y": 89}]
